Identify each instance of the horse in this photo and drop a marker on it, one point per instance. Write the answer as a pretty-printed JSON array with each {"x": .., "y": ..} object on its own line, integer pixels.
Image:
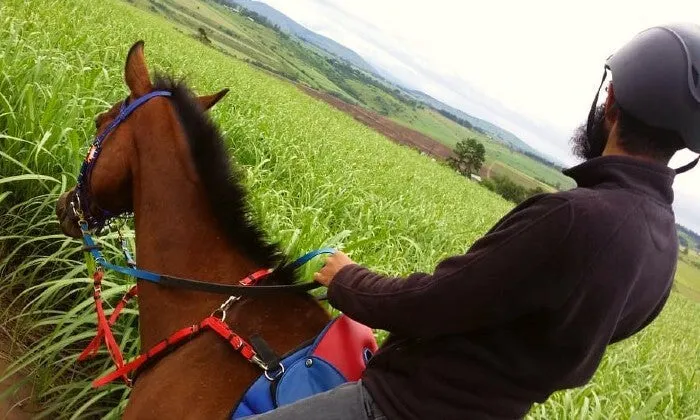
[{"x": 166, "y": 163}]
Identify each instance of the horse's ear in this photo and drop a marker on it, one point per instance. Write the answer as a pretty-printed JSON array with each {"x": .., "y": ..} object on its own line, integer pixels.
[
  {"x": 210, "y": 100},
  {"x": 136, "y": 72}
]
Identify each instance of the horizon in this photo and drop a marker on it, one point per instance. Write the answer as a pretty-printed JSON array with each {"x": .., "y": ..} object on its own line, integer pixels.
[{"x": 538, "y": 96}]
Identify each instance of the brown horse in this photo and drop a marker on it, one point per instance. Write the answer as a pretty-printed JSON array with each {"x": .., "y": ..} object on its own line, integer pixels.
[{"x": 167, "y": 164}]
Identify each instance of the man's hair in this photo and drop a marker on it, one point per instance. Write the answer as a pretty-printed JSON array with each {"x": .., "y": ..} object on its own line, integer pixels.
[{"x": 638, "y": 138}]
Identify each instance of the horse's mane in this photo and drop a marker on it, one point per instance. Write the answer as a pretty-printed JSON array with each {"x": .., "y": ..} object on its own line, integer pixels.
[{"x": 222, "y": 184}]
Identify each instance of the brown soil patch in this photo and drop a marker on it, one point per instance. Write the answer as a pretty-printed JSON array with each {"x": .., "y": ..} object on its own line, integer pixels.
[
  {"x": 16, "y": 406},
  {"x": 385, "y": 126}
]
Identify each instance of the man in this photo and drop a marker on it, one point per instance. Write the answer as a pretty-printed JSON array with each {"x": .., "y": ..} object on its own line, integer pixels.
[{"x": 531, "y": 307}]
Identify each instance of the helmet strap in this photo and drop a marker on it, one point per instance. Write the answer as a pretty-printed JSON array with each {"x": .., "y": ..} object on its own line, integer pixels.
[
  {"x": 687, "y": 167},
  {"x": 591, "y": 113}
]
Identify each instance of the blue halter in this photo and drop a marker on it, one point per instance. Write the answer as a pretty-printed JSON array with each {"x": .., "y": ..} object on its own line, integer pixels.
[{"x": 82, "y": 190}]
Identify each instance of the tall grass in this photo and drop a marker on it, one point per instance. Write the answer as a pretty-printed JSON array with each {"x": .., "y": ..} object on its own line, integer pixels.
[
  {"x": 653, "y": 375},
  {"x": 316, "y": 178}
]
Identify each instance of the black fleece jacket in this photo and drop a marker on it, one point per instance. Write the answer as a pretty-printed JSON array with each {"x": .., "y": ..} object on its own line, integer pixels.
[{"x": 531, "y": 307}]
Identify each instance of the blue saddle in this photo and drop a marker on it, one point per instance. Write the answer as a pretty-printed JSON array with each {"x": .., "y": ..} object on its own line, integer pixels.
[{"x": 337, "y": 355}]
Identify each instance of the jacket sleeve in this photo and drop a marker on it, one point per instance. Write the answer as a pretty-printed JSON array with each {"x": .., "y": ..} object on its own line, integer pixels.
[{"x": 505, "y": 274}]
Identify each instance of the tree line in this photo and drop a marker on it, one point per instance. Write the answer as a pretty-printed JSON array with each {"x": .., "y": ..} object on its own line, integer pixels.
[{"x": 690, "y": 233}]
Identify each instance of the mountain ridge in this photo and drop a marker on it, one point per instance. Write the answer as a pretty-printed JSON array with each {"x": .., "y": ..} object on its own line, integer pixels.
[{"x": 289, "y": 25}]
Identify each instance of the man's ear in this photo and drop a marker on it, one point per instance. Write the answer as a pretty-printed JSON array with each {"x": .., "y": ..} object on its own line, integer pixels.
[
  {"x": 136, "y": 72},
  {"x": 210, "y": 100},
  {"x": 611, "y": 109}
]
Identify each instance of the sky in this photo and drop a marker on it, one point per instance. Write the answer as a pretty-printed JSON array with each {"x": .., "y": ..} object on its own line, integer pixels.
[{"x": 531, "y": 67}]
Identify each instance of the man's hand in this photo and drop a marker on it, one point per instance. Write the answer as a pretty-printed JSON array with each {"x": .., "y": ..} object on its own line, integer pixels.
[{"x": 333, "y": 264}]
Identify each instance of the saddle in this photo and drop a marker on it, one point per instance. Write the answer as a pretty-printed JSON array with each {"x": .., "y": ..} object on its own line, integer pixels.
[{"x": 339, "y": 354}]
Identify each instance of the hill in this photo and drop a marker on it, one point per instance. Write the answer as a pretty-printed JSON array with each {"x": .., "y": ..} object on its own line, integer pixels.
[
  {"x": 689, "y": 236},
  {"x": 284, "y": 23},
  {"x": 491, "y": 129}
]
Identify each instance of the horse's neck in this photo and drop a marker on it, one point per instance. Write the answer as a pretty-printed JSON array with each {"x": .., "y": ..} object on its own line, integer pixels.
[{"x": 176, "y": 234}]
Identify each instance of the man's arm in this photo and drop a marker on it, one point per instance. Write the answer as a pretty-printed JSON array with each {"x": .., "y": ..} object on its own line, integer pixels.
[{"x": 505, "y": 274}]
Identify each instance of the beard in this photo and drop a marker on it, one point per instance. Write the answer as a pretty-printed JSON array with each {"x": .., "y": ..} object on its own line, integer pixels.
[{"x": 591, "y": 145}]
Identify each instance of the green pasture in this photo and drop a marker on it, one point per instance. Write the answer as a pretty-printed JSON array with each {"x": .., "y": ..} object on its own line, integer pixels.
[
  {"x": 688, "y": 275},
  {"x": 521, "y": 169},
  {"x": 497, "y": 168},
  {"x": 528, "y": 166},
  {"x": 316, "y": 177}
]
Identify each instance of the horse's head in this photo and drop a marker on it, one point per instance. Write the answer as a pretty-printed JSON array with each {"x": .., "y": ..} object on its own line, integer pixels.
[{"x": 105, "y": 185}]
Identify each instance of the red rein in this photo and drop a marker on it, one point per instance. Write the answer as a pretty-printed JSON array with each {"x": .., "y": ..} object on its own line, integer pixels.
[{"x": 104, "y": 333}]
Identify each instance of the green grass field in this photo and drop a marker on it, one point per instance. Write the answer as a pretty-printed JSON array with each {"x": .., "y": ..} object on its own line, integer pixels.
[
  {"x": 497, "y": 168},
  {"x": 688, "y": 274},
  {"x": 316, "y": 178},
  {"x": 527, "y": 166},
  {"x": 519, "y": 168}
]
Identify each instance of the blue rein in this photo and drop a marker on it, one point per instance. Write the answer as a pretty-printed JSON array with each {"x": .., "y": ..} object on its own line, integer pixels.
[{"x": 164, "y": 280}]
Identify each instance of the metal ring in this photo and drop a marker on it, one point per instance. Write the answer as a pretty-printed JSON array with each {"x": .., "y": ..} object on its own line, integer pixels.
[
  {"x": 279, "y": 373},
  {"x": 220, "y": 311},
  {"x": 225, "y": 306},
  {"x": 75, "y": 211}
]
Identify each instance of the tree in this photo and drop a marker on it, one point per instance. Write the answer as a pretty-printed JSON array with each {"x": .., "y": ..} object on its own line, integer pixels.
[
  {"x": 683, "y": 242},
  {"x": 203, "y": 35},
  {"x": 470, "y": 156}
]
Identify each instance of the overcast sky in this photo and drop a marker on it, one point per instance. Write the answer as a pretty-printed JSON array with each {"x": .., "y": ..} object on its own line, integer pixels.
[{"x": 531, "y": 67}]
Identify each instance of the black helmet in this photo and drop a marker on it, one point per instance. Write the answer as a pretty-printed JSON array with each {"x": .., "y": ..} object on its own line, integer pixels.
[{"x": 657, "y": 79}]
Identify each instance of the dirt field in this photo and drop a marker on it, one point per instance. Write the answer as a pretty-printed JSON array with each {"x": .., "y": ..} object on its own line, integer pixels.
[
  {"x": 394, "y": 131},
  {"x": 13, "y": 407}
]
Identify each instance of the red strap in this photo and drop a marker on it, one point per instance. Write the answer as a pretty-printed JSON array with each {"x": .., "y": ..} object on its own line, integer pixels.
[
  {"x": 104, "y": 332},
  {"x": 127, "y": 368},
  {"x": 212, "y": 323},
  {"x": 120, "y": 372},
  {"x": 254, "y": 278},
  {"x": 102, "y": 324},
  {"x": 235, "y": 340},
  {"x": 132, "y": 293},
  {"x": 91, "y": 349}
]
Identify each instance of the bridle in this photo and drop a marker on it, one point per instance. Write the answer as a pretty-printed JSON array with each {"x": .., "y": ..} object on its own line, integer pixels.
[
  {"x": 82, "y": 201},
  {"x": 92, "y": 219}
]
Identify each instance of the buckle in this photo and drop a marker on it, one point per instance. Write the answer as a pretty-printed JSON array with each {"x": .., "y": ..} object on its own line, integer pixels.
[{"x": 221, "y": 310}]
